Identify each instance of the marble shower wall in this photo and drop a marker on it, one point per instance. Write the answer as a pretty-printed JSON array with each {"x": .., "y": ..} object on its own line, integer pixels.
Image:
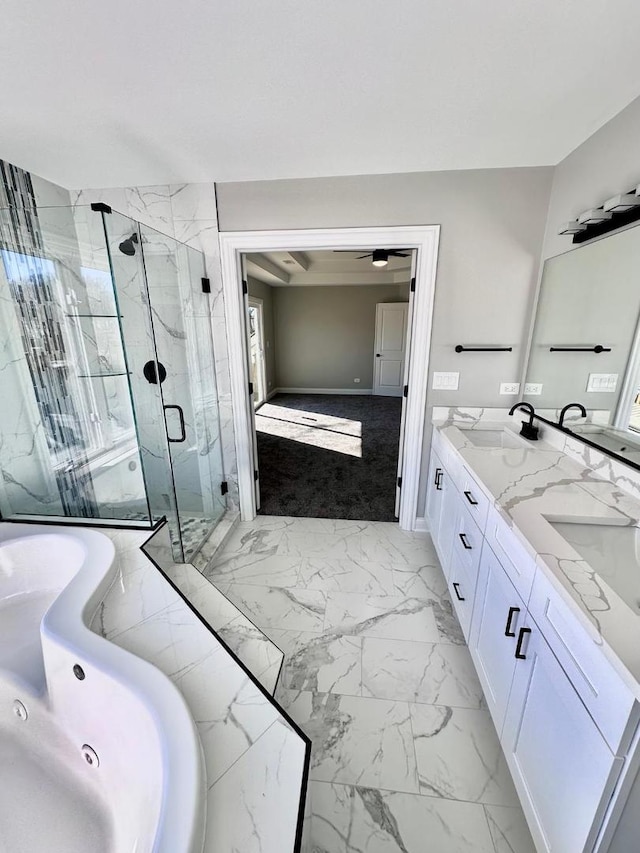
[{"x": 188, "y": 213}]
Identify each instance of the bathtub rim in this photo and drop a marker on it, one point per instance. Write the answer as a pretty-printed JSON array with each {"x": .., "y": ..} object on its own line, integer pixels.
[{"x": 182, "y": 819}]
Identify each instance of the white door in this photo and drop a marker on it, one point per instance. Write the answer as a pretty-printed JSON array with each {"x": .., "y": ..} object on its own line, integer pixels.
[
  {"x": 250, "y": 388},
  {"x": 498, "y": 615},
  {"x": 562, "y": 768},
  {"x": 256, "y": 352},
  {"x": 390, "y": 346}
]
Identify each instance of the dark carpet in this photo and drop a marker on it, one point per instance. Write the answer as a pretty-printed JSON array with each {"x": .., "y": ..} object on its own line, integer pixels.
[{"x": 309, "y": 448}]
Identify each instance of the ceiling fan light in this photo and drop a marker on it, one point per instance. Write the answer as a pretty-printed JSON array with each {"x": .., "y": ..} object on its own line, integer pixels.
[{"x": 379, "y": 258}]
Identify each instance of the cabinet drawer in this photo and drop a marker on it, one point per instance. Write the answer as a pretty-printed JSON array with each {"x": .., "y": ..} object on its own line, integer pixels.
[
  {"x": 519, "y": 565},
  {"x": 473, "y": 497},
  {"x": 606, "y": 697},
  {"x": 462, "y": 589}
]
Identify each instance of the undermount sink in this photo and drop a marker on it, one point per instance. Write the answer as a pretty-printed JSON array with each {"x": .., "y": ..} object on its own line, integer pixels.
[
  {"x": 612, "y": 551},
  {"x": 493, "y": 438}
]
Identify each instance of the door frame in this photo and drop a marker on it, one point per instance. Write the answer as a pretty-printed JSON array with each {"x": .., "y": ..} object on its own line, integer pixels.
[{"x": 424, "y": 239}]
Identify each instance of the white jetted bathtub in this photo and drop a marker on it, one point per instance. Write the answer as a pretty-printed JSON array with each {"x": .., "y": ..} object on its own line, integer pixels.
[{"x": 98, "y": 750}]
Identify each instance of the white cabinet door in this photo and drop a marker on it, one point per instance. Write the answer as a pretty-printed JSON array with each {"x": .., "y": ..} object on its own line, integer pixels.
[
  {"x": 448, "y": 521},
  {"x": 434, "y": 494},
  {"x": 562, "y": 768},
  {"x": 498, "y": 615}
]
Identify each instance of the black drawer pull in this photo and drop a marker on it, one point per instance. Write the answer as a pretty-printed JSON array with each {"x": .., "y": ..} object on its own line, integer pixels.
[
  {"x": 455, "y": 589},
  {"x": 463, "y": 539},
  {"x": 512, "y": 612},
  {"x": 470, "y": 498},
  {"x": 519, "y": 654},
  {"x": 438, "y": 480}
]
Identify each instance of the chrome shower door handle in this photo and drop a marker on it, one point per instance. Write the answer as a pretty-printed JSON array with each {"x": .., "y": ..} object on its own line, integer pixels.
[{"x": 183, "y": 431}]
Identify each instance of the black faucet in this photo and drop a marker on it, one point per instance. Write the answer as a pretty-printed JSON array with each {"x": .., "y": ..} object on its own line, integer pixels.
[
  {"x": 527, "y": 430},
  {"x": 564, "y": 411}
]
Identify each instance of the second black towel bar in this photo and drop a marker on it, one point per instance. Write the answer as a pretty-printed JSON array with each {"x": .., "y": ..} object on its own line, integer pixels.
[{"x": 460, "y": 348}]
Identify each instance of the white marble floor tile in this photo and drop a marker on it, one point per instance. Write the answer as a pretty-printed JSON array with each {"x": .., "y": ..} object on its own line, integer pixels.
[
  {"x": 253, "y": 808},
  {"x": 275, "y": 607},
  {"x": 355, "y": 740},
  {"x": 322, "y": 663},
  {"x": 420, "y": 672},
  {"x": 348, "y": 819},
  {"x": 297, "y": 543},
  {"x": 509, "y": 830},
  {"x": 424, "y": 582},
  {"x": 256, "y": 568},
  {"x": 459, "y": 756},
  {"x": 391, "y": 617},
  {"x": 340, "y": 575},
  {"x": 255, "y": 539}
]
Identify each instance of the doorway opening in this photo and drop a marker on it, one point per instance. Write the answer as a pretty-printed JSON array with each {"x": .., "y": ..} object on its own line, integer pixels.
[{"x": 321, "y": 423}]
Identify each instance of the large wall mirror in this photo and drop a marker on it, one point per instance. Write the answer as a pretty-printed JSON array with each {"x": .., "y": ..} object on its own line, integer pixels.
[{"x": 586, "y": 340}]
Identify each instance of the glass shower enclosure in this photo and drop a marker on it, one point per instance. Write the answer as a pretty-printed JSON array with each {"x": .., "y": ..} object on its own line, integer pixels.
[{"x": 107, "y": 375}]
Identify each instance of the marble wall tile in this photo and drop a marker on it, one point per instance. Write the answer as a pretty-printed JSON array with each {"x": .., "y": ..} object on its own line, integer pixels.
[
  {"x": 393, "y": 618},
  {"x": 323, "y": 663},
  {"x": 151, "y": 205},
  {"x": 420, "y": 672},
  {"x": 349, "y": 819},
  {"x": 459, "y": 756},
  {"x": 355, "y": 740},
  {"x": 193, "y": 201}
]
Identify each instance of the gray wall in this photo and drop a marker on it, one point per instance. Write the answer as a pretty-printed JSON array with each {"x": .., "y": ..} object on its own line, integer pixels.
[
  {"x": 491, "y": 239},
  {"x": 606, "y": 164},
  {"x": 325, "y": 335},
  {"x": 263, "y": 291}
]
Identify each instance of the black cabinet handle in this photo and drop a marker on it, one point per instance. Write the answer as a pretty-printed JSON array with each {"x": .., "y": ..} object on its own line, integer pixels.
[
  {"x": 463, "y": 539},
  {"x": 512, "y": 612},
  {"x": 183, "y": 432},
  {"x": 438, "y": 479},
  {"x": 519, "y": 654},
  {"x": 470, "y": 498},
  {"x": 455, "y": 589}
]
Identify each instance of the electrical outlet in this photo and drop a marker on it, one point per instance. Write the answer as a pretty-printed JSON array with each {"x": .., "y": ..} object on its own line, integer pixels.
[
  {"x": 445, "y": 381},
  {"x": 533, "y": 388},
  {"x": 510, "y": 388},
  {"x": 356, "y": 381}
]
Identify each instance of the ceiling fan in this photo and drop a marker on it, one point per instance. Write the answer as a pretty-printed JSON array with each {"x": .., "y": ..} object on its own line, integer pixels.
[{"x": 379, "y": 257}]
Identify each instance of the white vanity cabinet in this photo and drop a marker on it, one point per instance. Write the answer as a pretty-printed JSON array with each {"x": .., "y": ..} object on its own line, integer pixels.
[
  {"x": 566, "y": 720},
  {"x": 499, "y": 613},
  {"x": 561, "y": 765}
]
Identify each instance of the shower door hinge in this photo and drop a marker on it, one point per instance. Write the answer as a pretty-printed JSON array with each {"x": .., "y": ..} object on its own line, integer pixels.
[
  {"x": 255, "y": 475},
  {"x": 224, "y": 487},
  {"x": 100, "y": 207},
  {"x": 206, "y": 285},
  {"x": 251, "y": 389},
  {"x": 399, "y": 482},
  {"x": 405, "y": 391},
  {"x": 413, "y": 284},
  {"x": 245, "y": 287}
]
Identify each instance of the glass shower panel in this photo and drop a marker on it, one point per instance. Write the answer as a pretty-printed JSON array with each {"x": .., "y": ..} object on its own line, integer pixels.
[
  {"x": 67, "y": 429},
  {"x": 128, "y": 271},
  {"x": 182, "y": 330}
]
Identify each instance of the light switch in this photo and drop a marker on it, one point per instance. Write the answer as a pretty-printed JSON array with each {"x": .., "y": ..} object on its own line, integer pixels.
[
  {"x": 445, "y": 381},
  {"x": 602, "y": 383},
  {"x": 510, "y": 388},
  {"x": 532, "y": 388}
]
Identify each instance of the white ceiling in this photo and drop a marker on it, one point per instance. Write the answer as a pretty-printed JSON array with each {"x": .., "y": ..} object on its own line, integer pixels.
[
  {"x": 99, "y": 94},
  {"x": 324, "y": 268}
]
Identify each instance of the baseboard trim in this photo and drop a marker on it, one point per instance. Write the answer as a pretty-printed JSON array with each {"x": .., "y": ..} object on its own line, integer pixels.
[
  {"x": 360, "y": 391},
  {"x": 271, "y": 394},
  {"x": 420, "y": 525}
]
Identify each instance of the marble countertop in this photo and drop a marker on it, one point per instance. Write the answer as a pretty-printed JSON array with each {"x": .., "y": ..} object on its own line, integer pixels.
[{"x": 538, "y": 482}]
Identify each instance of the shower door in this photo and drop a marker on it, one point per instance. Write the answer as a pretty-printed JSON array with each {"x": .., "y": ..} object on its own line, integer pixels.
[
  {"x": 181, "y": 323},
  {"x": 167, "y": 332}
]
